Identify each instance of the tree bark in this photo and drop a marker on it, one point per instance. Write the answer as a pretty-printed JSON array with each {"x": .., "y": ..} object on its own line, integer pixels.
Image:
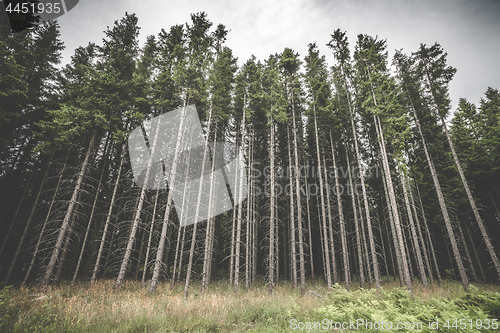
[
  {"x": 323, "y": 212},
  {"x": 240, "y": 207},
  {"x": 311, "y": 258},
  {"x": 7, "y": 235},
  {"x": 108, "y": 219},
  {"x": 181, "y": 253},
  {"x": 367, "y": 261},
  {"x": 292, "y": 216},
  {"x": 330, "y": 223},
  {"x": 249, "y": 227},
  {"x": 193, "y": 239},
  {"x": 299, "y": 203},
  {"x": 467, "y": 253},
  {"x": 420, "y": 235},
  {"x": 39, "y": 241},
  {"x": 138, "y": 211},
  {"x": 472, "y": 203},
  {"x": 392, "y": 198},
  {"x": 343, "y": 237},
  {"x": 179, "y": 230},
  {"x": 363, "y": 189},
  {"x": 151, "y": 230},
  {"x": 80, "y": 258},
  {"x": 397, "y": 246},
  {"x": 207, "y": 260},
  {"x": 28, "y": 223},
  {"x": 233, "y": 231},
  {"x": 64, "y": 227},
  {"x": 356, "y": 224},
  {"x": 475, "y": 253},
  {"x": 442, "y": 205},
  {"x": 271, "y": 263},
  {"x": 166, "y": 221},
  {"x": 413, "y": 230}
]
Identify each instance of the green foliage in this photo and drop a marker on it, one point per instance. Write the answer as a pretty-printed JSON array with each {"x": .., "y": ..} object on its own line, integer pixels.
[
  {"x": 67, "y": 124},
  {"x": 7, "y": 310},
  {"x": 273, "y": 93},
  {"x": 112, "y": 87},
  {"x": 436, "y": 75},
  {"x": 489, "y": 302},
  {"x": 397, "y": 305},
  {"x": 132, "y": 309},
  {"x": 28, "y": 78}
]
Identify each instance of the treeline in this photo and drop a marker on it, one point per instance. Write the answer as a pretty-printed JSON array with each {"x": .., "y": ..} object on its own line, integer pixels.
[{"x": 354, "y": 174}]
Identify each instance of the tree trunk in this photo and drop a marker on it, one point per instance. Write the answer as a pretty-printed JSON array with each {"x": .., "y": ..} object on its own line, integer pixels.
[
  {"x": 207, "y": 256},
  {"x": 248, "y": 235},
  {"x": 330, "y": 222},
  {"x": 211, "y": 249},
  {"x": 391, "y": 251},
  {"x": 365, "y": 197},
  {"x": 211, "y": 221},
  {"x": 193, "y": 239},
  {"x": 250, "y": 222},
  {"x": 467, "y": 254},
  {"x": 420, "y": 235},
  {"x": 367, "y": 261},
  {"x": 207, "y": 260},
  {"x": 276, "y": 246},
  {"x": 356, "y": 223},
  {"x": 495, "y": 206},
  {"x": 413, "y": 230},
  {"x": 405, "y": 240},
  {"x": 442, "y": 205},
  {"x": 138, "y": 211},
  {"x": 179, "y": 229},
  {"x": 299, "y": 204},
  {"x": 7, "y": 235},
  {"x": 431, "y": 245},
  {"x": 472, "y": 203},
  {"x": 30, "y": 218},
  {"x": 271, "y": 215},
  {"x": 64, "y": 227},
  {"x": 233, "y": 231},
  {"x": 323, "y": 212},
  {"x": 190, "y": 261},
  {"x": 176, "y": 258},
  {"x": 181, "y": 253},
  {"x": 311, "y": 258},
  {"x": 39, "y": 241},
  {"x": 397, "y": 246},
  {"x": 166, "y": 221},
  {"x": 475, "y": 253},
  {"x": 384, "y": 253},
  {"x": 108, "y": 219},
  {"x": 240, "y": 206},
  {"x": 392, "y": 198},
  {"x": 80, "y": 258},
  {"x": 65, "y": 248},
  {"x": 343, "y": 237},
  {"x": 151, "y": 230},
  {"x": 254, "y": 237},
  {"x": 292, "y": 216}
]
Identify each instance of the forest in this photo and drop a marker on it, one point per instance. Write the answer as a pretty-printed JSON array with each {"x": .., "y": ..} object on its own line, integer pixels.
[{"x": 359, "y": 172}]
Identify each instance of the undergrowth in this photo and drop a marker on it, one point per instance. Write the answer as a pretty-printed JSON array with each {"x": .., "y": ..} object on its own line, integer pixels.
[{"x": 132, "y": 308}]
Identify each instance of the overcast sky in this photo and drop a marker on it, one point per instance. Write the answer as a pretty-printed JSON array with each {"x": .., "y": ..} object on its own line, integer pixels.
[{"x": 469, "y": 30}]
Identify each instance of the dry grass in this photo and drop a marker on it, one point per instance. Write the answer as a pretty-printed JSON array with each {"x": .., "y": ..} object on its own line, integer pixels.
[{"x": 132, "y": 308}]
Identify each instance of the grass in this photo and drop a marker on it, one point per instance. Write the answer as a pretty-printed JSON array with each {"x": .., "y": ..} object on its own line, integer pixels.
[{"x": 131, "y": 308}]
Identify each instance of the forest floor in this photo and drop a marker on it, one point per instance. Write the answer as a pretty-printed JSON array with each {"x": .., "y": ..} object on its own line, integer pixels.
[{"x": 66, "y": 308}]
